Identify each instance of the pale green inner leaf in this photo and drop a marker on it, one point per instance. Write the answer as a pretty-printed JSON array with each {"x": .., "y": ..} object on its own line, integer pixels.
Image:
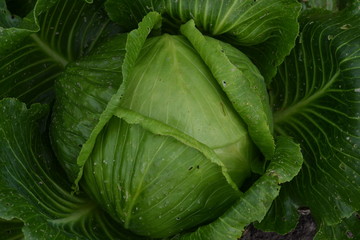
[{"x": 171, "y": 83}]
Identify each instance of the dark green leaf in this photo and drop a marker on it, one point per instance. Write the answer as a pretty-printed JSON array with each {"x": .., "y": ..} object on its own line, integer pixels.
[
  {"x": 83, "y": 92},
  {"x": 268, "y": 26},
  {"x": 283, "y": 215},
  {"x": 316, "y": 97},
  {"x": 54, "y": 33}
]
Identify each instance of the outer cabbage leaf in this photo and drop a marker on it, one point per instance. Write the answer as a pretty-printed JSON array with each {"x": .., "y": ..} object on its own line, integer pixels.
[
  {"x": 283, "y": 215},
  {"x": 83, "y": 91},
  {"x": 316, "y": 98},
  {"x": 268, "y": 26},
  {"x": 251, "y": 73},
  {"x": 36, "y": 49},
  {"x": 33, "y": 188},
  {"x": 238, "y": 87}
]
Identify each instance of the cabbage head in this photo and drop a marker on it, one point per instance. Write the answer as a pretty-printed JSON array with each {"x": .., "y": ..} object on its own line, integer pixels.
[{"x": 175, "y": 152}]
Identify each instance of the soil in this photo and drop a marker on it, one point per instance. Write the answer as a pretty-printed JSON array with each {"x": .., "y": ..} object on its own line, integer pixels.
[{"x": 305, "y": 230}]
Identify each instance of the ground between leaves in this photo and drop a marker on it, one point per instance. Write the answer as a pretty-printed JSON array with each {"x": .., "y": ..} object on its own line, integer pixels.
[{"x": 305, "y": 230}]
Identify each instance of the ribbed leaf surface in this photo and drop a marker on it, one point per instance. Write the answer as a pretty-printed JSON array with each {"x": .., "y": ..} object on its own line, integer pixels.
[
  {"x": 268, "y": 26},
  {"x": 36, "y": 51},
  {"x": 83, "y": 91},
  {"x": 317, "y": 101}
]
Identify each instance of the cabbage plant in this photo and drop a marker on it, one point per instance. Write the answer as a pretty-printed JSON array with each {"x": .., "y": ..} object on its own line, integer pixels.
[{"x": 178, "y": 119}]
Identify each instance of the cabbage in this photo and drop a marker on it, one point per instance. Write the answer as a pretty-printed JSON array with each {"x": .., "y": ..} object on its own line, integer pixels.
[
  {"x": 177, "y": 119},
  {"x": 174, "y": 127}
]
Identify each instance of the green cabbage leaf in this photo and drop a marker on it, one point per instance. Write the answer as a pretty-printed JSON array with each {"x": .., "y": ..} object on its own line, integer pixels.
[
  {"x": 35, "y": 49},
  {"x": 322, "y": 113},
  {"x": 266, "y": 27}
]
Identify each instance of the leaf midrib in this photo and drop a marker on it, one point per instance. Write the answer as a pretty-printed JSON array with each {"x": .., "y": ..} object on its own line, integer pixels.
[
  {"x": 283, "y": 116},
  {"x": 59, "y": 59}
]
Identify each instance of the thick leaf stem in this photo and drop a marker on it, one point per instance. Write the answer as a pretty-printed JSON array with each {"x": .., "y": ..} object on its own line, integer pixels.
[
  {"x": 283, "y": 116},
  {"x": 50, "y": 52}
]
